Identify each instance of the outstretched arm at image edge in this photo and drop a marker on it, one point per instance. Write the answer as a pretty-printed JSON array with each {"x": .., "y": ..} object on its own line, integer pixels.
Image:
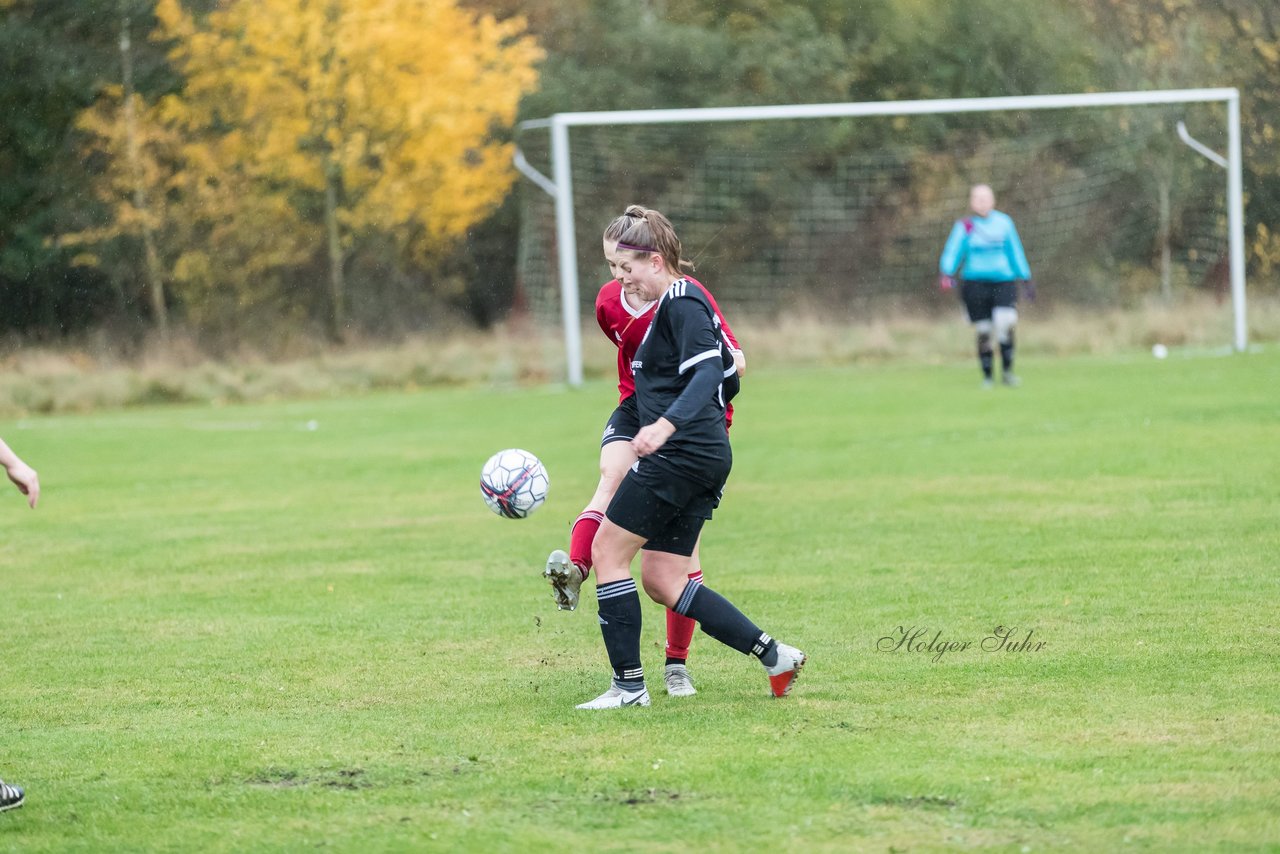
[{"x": 23, "y": 476}]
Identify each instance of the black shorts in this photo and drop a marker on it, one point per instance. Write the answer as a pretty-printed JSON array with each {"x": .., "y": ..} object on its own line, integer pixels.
[
  {"x": 981, "y": 298},
  {"x": 657, "y": 503},
  {"x": 623, "y": 424}
]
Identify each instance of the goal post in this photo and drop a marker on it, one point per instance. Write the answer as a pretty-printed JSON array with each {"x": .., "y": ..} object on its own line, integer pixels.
[{"x": 560, "y": 184}]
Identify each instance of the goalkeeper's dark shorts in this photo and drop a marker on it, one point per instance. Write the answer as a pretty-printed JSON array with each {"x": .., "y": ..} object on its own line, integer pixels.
[{"x": 981, "y": 298}]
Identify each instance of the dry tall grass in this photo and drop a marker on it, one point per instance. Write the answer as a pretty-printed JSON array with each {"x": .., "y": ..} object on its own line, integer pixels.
[
  {"x": 1200, "y": 323},
  {"x": 41, "y": 380}
]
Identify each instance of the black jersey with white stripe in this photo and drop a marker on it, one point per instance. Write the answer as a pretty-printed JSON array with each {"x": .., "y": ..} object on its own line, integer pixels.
[{"x": 680, "y": 368}]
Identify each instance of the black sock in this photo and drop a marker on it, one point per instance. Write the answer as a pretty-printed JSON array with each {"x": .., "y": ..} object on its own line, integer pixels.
[
  {"x": 671, "y": 661},
  {"x": 1006, "y": 354},
  {"x": 984, "y": 353},
  {"x": 719, "y": 618},
  {"x": 619, "y": 606}
]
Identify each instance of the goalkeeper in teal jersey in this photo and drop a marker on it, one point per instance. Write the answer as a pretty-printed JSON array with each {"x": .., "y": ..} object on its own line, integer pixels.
[{"x": 985, "y": 252}]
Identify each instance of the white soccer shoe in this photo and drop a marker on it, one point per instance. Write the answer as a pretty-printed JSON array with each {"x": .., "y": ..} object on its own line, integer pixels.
[
  {"x": 786, "y": 671},
  {"x": 11, "y": 797},
  {"x": 565, "y": 578},
  {"x": 678, "y": 682},
  {"x": 616, "y": 698}
]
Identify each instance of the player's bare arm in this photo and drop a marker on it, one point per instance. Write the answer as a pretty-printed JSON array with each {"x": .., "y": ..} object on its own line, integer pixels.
[{"x": 23, "y": 476}]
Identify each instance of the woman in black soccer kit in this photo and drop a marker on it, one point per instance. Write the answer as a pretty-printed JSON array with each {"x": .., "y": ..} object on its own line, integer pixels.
[{"x": 684, "y": 452}]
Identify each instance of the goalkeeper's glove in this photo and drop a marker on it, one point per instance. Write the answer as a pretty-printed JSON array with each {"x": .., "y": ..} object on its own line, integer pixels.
[
  {"x": 946, "y": 283},
  {"x": 1029, "y": 288}
]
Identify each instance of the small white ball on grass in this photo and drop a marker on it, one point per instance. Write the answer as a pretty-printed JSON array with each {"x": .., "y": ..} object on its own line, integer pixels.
[{"x": 1159, "y": 351}]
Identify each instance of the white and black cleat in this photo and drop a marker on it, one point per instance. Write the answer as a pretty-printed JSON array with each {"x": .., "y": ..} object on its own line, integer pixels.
[
  {"x": 616, "y": 698},
  {"x": 11, "y": 797}
]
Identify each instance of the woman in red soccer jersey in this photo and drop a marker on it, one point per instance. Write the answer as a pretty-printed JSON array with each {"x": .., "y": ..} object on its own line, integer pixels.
[{"x": 624, "y": 318}]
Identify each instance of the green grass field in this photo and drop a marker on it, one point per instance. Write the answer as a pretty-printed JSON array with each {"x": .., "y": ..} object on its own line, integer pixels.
[{"x": 296, "y": 626}]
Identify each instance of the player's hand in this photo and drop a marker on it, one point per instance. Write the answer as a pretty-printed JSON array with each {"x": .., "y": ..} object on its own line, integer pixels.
[
  {"x": 946, "y": 283},
  {"x": 1029, "y": 288},
  {"x": 739, "y": 361},
  {"x": 24, "y": 477},
  {"x": 652, "y": 437}
]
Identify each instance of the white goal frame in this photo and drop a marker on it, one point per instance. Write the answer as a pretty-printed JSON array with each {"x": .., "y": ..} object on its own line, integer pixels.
[{"x": 560, "y": 185}]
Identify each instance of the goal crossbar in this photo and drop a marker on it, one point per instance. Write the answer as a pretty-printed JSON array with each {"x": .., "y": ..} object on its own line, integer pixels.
[{"x": 560, "y": 185}]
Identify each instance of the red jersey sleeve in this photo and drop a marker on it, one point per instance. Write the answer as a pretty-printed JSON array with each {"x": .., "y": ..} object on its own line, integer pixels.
[
  {"x": 729, "y": 337},
  {"x": 724, "y": 324}
]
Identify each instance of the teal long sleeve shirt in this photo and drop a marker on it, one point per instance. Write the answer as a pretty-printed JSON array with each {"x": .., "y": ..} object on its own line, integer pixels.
[{"x": 985, "y": 249}]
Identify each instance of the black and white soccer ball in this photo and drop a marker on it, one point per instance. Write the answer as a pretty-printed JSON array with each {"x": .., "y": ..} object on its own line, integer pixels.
[{"x": 514, "y": 483}]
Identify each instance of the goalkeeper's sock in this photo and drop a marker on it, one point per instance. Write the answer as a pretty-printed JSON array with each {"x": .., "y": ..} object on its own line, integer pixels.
[
  {"x": 984, "y": 353},
  {"x": 620, "y": 616},
  {"x": 581, "y": 537},
  {"x": 1006, "y": 354},
  {"x": 720, "y": 619}
]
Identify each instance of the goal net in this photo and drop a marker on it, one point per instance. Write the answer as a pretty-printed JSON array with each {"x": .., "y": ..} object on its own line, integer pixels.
[{"x": 845, "y": 217}]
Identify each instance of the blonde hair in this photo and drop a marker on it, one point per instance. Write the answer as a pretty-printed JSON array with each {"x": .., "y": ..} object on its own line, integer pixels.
[
  {"x": 643, "y": 230},
  {"x": 614, "y": 230}
]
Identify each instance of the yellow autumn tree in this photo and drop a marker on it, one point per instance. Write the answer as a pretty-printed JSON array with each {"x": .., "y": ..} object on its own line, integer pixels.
[
  {"x": 361, "y": 117},
  {"x": 118, "y": 125},
  {"x": 180, "y": 223}
]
